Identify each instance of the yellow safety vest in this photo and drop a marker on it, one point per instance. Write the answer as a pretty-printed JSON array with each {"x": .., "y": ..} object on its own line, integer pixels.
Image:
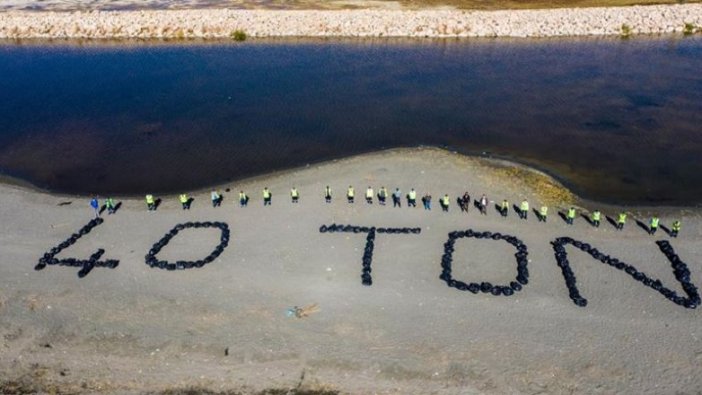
[
  {"x": 676, "y": 226},
  {"x": 266, "y": 194},
  {"x": 369, "y": 192},
  {"x": 571, "y": 213},
  {"x": 622, "y": 218},
  {"x": 524, "y": 206},
  {"x": 543, "y": 211},
  {"x": 654, "y": 222},
  {"x": 383, "y": 192},
  {"x": 596, "y": 216},
  {"x": 294, "y": 193},
  {"x": 327, "y": 191},
  {"x": 412, "y": 195},
  {"x": 242, "y": 196},
  {"x": 183, "y": 198},
  {"x": 505, "y": 205},
  {"x": 350, "y": 192},
  {"x": 445, "y": 200},
  {"x": 149, "y": 199}
]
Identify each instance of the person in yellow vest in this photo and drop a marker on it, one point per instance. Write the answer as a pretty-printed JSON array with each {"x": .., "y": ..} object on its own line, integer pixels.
[
  {"x": 653, "y": 225},
  {"x": 243, "y": 199},
  {"x": 327, "y": 194},
  {"x": 184, "y": 201},
  {"x": 369, "y": 195},
  {"x": 294, "y": 195},
  {"x": 543, "y": 213},
  {"x": 596, "y": 217},
  {"x": 267, "y": 195},
  {"x": 382, "y": 195},
  {"x": 150, "y": 202},
  {"x": 445, "y": 201},
  {"x": 350, "y": 194},
  {"x": 570, "y": 216},
  {"x": 621, "y": 220},
  {"x": 524, "y": 209},
  {"x": 504, "y": 208},
  {"x": 412, "y": 198},
  {"x": 675, "y": 229}
]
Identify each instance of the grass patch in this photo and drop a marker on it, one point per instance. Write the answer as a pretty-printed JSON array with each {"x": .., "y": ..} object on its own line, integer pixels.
[
  {"x": 625, "y": 31},
  {"x": 689, "y": 29},
  {"x": 238, "y": 35}
]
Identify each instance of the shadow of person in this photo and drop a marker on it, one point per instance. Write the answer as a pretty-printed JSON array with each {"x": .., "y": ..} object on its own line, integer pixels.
[
  {"x": 117, "y": 207},
  {"x": 611, "y": 220},
  {"x": 157, "y": 203},
  {"x": 588, "y": 219},
  {"x": 498, "y": 208},
  {"x": 666, "y": 230},
  {"x": 516, "y": 209},
  {"x": 643, "y": 226},
  {"x": 536, "y": 213},
  {"x": 563, "y": 216}
]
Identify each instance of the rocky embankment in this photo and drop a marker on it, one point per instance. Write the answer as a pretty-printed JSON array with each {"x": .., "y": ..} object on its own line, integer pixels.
[{"x": 221, "y": 23}]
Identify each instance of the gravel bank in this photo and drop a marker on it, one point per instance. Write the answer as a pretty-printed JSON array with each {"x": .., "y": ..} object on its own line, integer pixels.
[{"x": 350, "y": 23}]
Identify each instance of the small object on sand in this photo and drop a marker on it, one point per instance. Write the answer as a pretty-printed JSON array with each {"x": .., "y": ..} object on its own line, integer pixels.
[
  {"x": 302, "y": 312},
  {"x": 66, "y": 203},
  {"x": 226, "y": 352}
]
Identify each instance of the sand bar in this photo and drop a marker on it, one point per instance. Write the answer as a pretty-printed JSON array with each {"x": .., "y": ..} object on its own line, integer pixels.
[
  {"x": 224, "y": 327},
  {"x": 220, "y": 23}
]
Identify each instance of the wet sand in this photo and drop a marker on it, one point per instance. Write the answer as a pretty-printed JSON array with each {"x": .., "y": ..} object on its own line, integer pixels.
[{"x": 224, "y": 328}]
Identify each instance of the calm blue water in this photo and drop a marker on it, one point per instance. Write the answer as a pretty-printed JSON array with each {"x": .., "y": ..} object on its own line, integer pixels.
[{"x": 617, "y": 120}]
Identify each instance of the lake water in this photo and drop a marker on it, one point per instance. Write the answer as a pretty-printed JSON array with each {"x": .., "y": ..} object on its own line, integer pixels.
[{"x": 617, "y": 120}]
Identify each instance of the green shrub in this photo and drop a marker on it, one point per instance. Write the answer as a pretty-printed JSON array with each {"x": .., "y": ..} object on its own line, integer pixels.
[
  {"x": 238, "y": 35},
  {"x": 625, "y": 30},
  {"x": 689, "y": 28}
]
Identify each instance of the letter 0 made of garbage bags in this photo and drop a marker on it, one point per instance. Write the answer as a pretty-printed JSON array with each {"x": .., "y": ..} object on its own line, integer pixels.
[
  {"x": 150, "y": 258},
  {"x": 485, "y": 287},
  {"x": 680, "y": 270},
  {"x": 86, "y": 265}
]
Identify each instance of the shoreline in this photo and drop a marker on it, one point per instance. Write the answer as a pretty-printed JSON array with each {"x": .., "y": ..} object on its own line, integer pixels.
[
  {"x": 527, "y": 171},
  {"x": 425, "y": 23}
]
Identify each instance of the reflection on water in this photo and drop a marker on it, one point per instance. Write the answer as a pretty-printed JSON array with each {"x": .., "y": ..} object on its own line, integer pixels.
[{"x": 618, "y": 120}]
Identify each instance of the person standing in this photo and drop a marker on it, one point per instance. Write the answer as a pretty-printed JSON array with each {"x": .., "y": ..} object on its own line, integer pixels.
[
  {"x": 596, "y": 216},
  {"x": 445, "y": 201},
  {"x": 571, "y": 215},
  {"x": 328, "y": 194},
  {"x": 524, "y": 209},
  {"x": 412, "y": 198},
  {"x": 675, "y": 229},
  {"x": 294, "y": 195},
  {"x": 504, "y": 208},
  {"x": 653, "y": 225},
  {"x": 150, "y": 202},
  {"x": 426, "y": 200},
  {"x": 216, "y": 198},
  {"x": 382, "y": 195},
  {"x": 243, "y": 199},
  {"x": 110, "y": 205},
  {"x": 483, "y": 204},
  {"x": 543, "y": 213},
  {"x": 396, "y": 198},
  {"x": 267, "y": 197},
  {"x": 369, "y": 195},
  {"x": 95, "y": 204},
  {"x": 350, "y": 194},
  {"x": 184, "y": 201},
  {"x": 621, "y": 220}
]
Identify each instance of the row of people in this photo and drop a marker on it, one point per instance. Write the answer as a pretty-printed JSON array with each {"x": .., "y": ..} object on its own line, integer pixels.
[{"x": 522, "y": 209}]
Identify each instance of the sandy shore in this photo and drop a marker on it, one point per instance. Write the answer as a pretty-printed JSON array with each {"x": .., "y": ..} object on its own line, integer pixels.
[
  {"x": 223, "y": 327},
  {"x": 221, "y": 23}
]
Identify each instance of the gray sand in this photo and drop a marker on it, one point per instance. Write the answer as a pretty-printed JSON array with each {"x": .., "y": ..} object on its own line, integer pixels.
[{"x": 135, "y": 329}]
